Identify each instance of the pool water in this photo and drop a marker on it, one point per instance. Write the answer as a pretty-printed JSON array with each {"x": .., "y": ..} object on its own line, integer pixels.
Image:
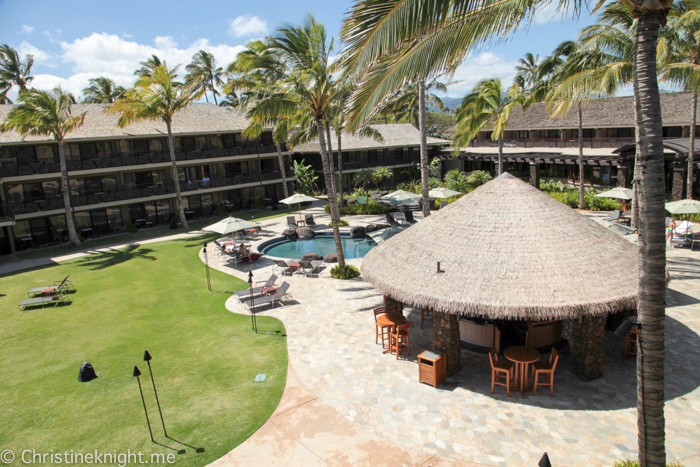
[{"x": 322, "y": 244}]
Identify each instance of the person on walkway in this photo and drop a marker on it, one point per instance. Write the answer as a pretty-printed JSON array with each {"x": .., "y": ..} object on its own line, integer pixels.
[{"x": 669, "y": 229}]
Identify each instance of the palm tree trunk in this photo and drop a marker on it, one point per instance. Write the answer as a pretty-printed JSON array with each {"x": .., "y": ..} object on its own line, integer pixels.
[
  {"x": 500, "y": 154},
  {"x": 213, "y": 90},
  {"x": 582, "y": 197},
  {"x": 280, "y": 161},
  {"x": 176, "y": 180},
  {"x": 340, "y": 168},
  {"x": 330, "y": 156},
  {"x": 691, "y": 144},
  {"x": 65, "y": 188},
  {"x": 332, "y": 200},
  {"x": 652, "y": 252},
  {"x": 634, "y": 221},
  {"x": 424, "y": 173}
]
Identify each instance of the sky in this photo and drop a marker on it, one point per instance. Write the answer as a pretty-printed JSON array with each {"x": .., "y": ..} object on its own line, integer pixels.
[{"x": 86, "y": 39}]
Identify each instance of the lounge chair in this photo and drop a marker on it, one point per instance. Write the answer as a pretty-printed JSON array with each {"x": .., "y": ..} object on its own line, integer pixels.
[
  {"x": 309, "y": 219},
  {"x": 243, "y": 294},
  {"x": 311, "y": 267},
  {"x": 291, "y": 223},
  {"x": 615, "y": 217},
  {"x": 443, "y": 204},
  {"x": 65, "y": 284},
  {"x": 43, "y": 301},
  {"x": 390, "y": 220},
  {"x": 271, "y": 299},
  {"x": 408, "y": 215},
  {"x": 282, "y": 266}
]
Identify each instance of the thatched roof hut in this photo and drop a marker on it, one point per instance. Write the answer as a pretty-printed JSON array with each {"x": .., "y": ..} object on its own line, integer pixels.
[{"x": 508, "y": 251}]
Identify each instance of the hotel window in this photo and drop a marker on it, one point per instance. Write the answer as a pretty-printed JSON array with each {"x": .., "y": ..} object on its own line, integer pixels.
[
  {"x": 109, "y": 183},
  {"x": 104, "y": 148},
  {"x": 217, "y": 141},
  {"x": 187, "y": 143},
  {"x": 88, "y": 150},
  {"x": 372, "y": 155},
  {"x": 266, "y": 138},
  {"x": 552, "y": 134},
  {"x": 620, "y": 132},
  {"x": 230, "y": 140},
  {"x": 45, "y": 154},
  {"x": 77, "y": 187},
  {"x": 673, "y": 132},
  {"x": 51, "y": 189},
  {"x": 154, "y": 144},
  {"x": 200, "y": 142},
  {"x": 268, "y": 165},
  {"x": 140, "y": 146},
  {"x": 7, "y": 156}
]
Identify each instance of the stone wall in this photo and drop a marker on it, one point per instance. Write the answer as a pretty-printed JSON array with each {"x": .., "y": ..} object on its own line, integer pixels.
[
  {"x": 535, "y": 175},
  {"x": 446, "y": 339},
  {"x": 393, "y": 306},
  {"x": 588, "y": 347},
  {"x": 678, "y": 181}
]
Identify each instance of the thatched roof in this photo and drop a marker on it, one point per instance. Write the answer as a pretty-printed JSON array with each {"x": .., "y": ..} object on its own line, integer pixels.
[{"x": 508, "y": 251}]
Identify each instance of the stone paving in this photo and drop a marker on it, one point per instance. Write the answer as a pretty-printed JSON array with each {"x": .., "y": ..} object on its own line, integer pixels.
[{"x": 330, "y": 328}]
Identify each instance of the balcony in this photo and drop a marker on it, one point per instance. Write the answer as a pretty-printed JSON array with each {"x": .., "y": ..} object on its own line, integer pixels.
[
  {"x": 379, "y": 162},
  {"x": 6, "y": 214},
  {"x": 129, "y": 159},
  {"x": 593, "y": 143},
  {"x": 125, "y": 194}
]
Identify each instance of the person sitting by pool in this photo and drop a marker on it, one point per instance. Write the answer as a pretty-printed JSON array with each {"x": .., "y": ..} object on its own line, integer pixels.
[{"x": 248, "y": 255}]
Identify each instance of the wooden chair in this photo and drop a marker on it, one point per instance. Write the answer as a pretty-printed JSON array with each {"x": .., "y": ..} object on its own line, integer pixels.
[
  {"x": 380, "y": 329},
  {"x": 499, "y": 369},
  {"x": 630, "y": 344},
  {"x": 426, "y": 314},
  {"x": 547, "y": 369},
  {"x": 400, "y": 339}
]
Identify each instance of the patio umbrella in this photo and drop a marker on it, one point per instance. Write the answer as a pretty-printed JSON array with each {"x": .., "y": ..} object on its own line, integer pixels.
[
  {"x": 400, "y": 197},
  {"x": 298, "y": 198},
  {"x": 684, "y": 206},
  {"x": 382, "y": 235},
  {"x": 442, "y": 193},
  {"x": 617, "y": 193},
  {"x": 230, "y": 225}
]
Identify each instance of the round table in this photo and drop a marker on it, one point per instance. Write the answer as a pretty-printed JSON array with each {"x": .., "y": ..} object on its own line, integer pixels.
[
  {"x": 390, "y": 320},
  {"x": 522, "y": 357}
]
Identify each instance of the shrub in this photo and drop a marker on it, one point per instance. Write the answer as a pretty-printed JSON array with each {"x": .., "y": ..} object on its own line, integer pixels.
[
  {"x": 223, "y": 212},
  {"x": 131, "y": 226},
  {"x": 259, "y": 203},
  {"x": 361, "y": 209},
  {"x": 635, "y": 463},
  {"x": 341, "y": 223},
  {"x": 348, "y": 272}
]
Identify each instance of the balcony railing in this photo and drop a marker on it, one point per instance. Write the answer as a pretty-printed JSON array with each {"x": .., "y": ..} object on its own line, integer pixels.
[
  {"x": 131, "y": 159},
  {"x": 593, "y": 143},
  {"x": 378, "y": 162},
  {"x": 6, "y": 212},
  {"x": 124, "y": 194}
]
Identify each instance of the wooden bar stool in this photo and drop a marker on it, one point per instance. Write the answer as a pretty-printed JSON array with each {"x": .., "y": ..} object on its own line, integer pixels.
[
  {"x": 401, "y": 339},
  {"x": 630, "y": 344},
  {"x": 499, "y": 369},
  {"x": 426, "y": 314},
  {"x": 547, "y": 369},
  {"x": 380, "y": 328}
]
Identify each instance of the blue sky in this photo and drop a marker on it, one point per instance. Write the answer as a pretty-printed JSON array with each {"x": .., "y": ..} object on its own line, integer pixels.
[{"x": 85, "y": 39}]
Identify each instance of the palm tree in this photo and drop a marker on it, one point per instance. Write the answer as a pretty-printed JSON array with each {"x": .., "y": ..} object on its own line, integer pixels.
[
  {"x": 382, "y": 174},
  {"x": 391, "y": 41},
  {"x": 230, "y": 100},
  {"x": 48, "y": 114},
  {"x": 487, "y": 104},
  {"x": 148, "y": 66},
  {"x": 404, "y": 105},
  {"x": 205, "y": 73},
  {"x": 102, "y": 91},
  {"x": 529, "y": 70},
  {"x": 157, "y": 96},
  {"x": 13, "y": 70},
  {"x": 288, "y": 77},
  {"x": 680, "y": 64},
  {"x": 4, "y": 89}
]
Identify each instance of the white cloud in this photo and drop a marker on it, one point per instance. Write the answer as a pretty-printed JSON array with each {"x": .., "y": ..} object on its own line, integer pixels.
[
  {"x": 548, "y": 13},
  {"x": 74, "y": 84},
  {"x": 40, "y": 57},
  {"x": 247, "y": 25},
  {"x": 165, "y": 42},
  {"x": 27, "y": 29},
  {"x": 479, "y": 67},
  {"x": 126, "y": 35}
]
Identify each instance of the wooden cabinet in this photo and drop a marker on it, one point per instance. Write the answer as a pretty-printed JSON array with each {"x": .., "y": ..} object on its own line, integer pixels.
[{"x": 432, "y": 367}]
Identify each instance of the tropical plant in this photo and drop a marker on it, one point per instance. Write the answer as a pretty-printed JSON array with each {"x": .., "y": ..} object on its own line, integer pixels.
[
  {"x": 382, "y": 174},
  {"x": 477, "y": 178},
  {"x": 679, "y": 53},
  {"x": 344, "y": 272},
  {"x": 392, "y": 41},
  {"x": 148, "y": 66},
  {"x": 363, "y": 177},
  {"x": 403, "y": 107},
  {"x": 306, "y": 177},
  {"x": 13, "y": 70},
  {"x": 4, "y": 89},
  {"x": 204, "y": 73},
  {"x": 341, "y": 223},
  {"x": 158, "y": 96},
  {"x": 102, "y": 91},
  {"x": 487, "y": 105},
  {"x": 230, "y": 100},
  {"x": 457, "y": 180},
  {"x": 48, "y": 114}
]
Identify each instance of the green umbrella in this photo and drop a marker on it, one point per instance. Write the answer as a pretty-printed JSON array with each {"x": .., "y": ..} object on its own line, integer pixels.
[
  {"x": 298, "y": 198},
  {"x": 442, "y": 193},
  {"x": 684, "y": 206},
  {"x": 617, "y": 193}
]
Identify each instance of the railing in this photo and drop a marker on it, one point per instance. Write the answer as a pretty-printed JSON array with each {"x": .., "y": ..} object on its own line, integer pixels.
[
  {"x": 594, "y": 143},
  {"x": 379, "y": 162},
  {"x": 130, "y": 159},
  {"x": 124, "y": 194},
  {"x": 6, "y": 212}
]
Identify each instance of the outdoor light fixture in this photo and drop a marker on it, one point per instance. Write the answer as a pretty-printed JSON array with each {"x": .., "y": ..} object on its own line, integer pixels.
[
  {"x": 544, "y": 462},
  {"x": 206, "y": 262},
  {"x": 136, "y": 375},
  {"x": 253, "y": 319}
]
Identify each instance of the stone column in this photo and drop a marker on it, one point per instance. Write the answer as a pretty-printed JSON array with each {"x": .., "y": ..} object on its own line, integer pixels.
[
  {"x": 678, "y": 180},
  {"x": 588, "y": 347},
  {"x": 393, "y": 306},
  {"x": 535, "y": 175},
  {"x": 622, "y": 175},
  {"x": 446, "y": 339},
  {"x": 440, "y": 165}
]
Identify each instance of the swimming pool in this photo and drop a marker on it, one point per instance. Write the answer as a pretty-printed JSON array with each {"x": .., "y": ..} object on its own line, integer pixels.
[{"x": 322, "y": 244}]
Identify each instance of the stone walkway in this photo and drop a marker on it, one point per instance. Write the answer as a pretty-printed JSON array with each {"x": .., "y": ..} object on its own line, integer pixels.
[{"x": 330, "y": 329}]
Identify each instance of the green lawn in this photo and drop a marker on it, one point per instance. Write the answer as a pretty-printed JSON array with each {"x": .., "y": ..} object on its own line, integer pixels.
[
  {"x": 150, "y": 297},
  {"x": 145, "y": 234}
]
